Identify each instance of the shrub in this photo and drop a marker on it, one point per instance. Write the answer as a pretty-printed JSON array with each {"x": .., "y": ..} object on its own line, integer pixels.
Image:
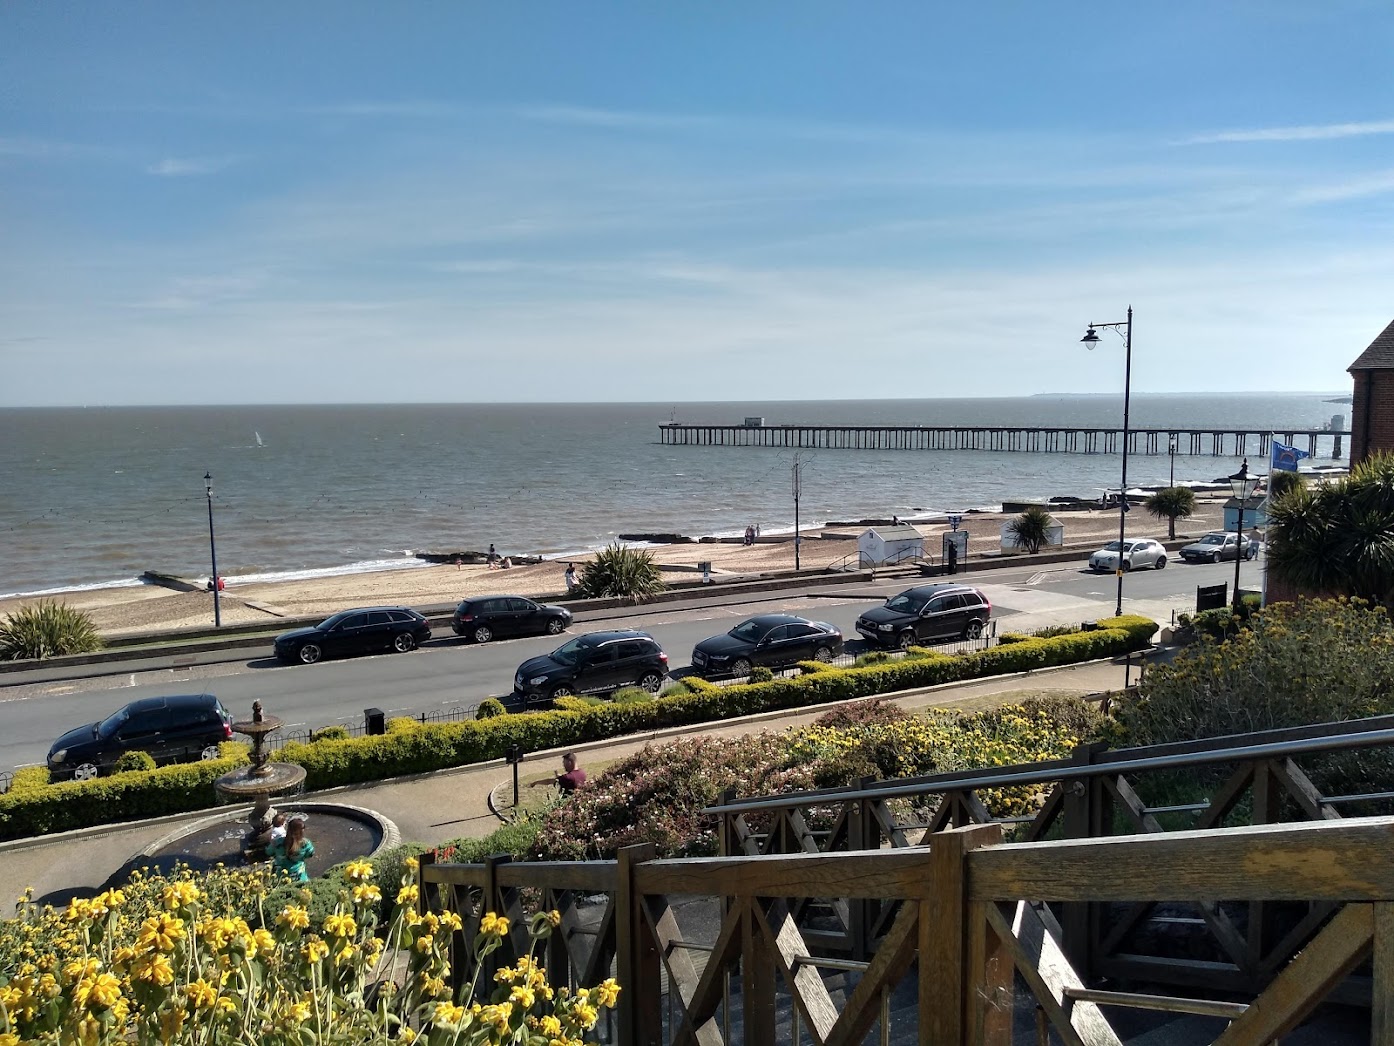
[
  {"x": 46, "y": 629},
  {"x": 28, "y": 779},
  {"x": 873, "y": 657},
  {"x": 760, "y": 674},
  {"x": 330, "y": 733},
  {"x": 1031, "y": 529},
  {"x": 400, "y": 722},
  {"x": 632, "y": 695},
  {"x": 575, "y": 703},
  {"x": 808, "y": 668},
  {"x": 488, "y": 708},
  {"x": 618, "y": 571},
  {"x": 133, "y": 760},
  {"x": 862, "y": 714}
]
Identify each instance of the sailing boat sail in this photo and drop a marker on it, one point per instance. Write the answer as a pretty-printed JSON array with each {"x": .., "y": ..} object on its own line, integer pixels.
[{"x": 258, "y": 436}]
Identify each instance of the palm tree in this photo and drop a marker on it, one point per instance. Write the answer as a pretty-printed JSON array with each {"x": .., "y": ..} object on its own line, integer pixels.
[
  {"x": 47, "y": 629},
  {"x": 1338, "y": 538},
  {"x": 1031, "y": 529},
  {"x": 1280, "y": 482},
  {"x": 620, "y": 571},
  {"x": 1171, "y": 504}
]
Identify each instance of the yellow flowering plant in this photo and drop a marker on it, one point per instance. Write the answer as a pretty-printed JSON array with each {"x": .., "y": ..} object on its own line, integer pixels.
[{"x": 182, "y": 960}]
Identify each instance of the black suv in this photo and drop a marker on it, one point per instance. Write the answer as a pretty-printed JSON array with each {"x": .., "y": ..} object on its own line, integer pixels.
[
  {"x": 367, "y": 630},
  {"x": 492, "y": 617},
  {"x": 595, "y": 662},
  {"x": 171, "y": 729},
  {"x": 772, "y": 640},
  {"x": 926, "y": 612}
]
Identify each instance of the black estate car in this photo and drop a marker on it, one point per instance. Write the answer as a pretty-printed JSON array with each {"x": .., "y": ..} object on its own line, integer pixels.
[
  {"x": 170, "y": 729},
  {"x": 594, "y": 662},
  {"x": 364, "y": 631},
  {"x": 926, "y": 612},
  {"x": 772, "y": 640},
  {"x": 483, "y": 618}
]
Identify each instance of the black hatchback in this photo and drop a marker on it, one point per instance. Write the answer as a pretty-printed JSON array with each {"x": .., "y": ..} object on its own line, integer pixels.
[
  {"x": 483, "y": 618},
  {"x": 926, "y": 612},
  {"x": 772, "y": 640},
  {"x": 169, "y": 729},
  {"x": 594, "y": 663},
  {"x": 368, "y": 630}
]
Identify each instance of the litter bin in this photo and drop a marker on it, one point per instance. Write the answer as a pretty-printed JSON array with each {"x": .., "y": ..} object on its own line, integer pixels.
[
  {"x": 705, "y": 566},
  {"x": 374, "y": 721}
]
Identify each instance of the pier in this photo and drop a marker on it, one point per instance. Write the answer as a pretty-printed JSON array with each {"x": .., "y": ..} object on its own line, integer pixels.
[{"x": 1217, "y": 443}]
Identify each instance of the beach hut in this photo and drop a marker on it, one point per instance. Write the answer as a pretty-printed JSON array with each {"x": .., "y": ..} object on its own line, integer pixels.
[
  {"x": 1255, "y": 513},
  {"x": 1055, "y": 536},
  {"x": 880, "y": 546}
]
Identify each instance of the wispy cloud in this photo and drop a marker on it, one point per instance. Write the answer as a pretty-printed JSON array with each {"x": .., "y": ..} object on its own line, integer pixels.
[
  {"x": 1371, "y": 185},
  {"x": 186, "y": 167},
  {"x": 1301, "y": 133},
  {"x": 589, "y": 117}
]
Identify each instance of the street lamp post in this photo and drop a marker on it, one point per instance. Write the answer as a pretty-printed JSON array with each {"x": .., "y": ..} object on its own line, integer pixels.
[
  {"x": 213, "y": 550},
  {"x": 1091, "y": 339},
  {"x": 1171, "y": 449},
  {"x": 1242, "y": 485}
]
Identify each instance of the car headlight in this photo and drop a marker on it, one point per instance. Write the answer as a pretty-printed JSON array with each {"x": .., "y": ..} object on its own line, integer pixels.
[
  {"x": 537, "y": 680},
  {"x": 58, "y": 756},
  {"x": 886, "y": 628}
]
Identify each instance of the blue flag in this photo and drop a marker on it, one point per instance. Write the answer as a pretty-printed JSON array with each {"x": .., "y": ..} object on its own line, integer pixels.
[{"x": 1285, "y": 458}]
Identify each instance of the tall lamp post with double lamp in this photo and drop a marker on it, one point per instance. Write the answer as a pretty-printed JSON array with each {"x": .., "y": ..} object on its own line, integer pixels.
[
  {"x": 1124, "y": 328},
  {"x": 1242, "y": 485},
  {"x": 213, "y": 551}
]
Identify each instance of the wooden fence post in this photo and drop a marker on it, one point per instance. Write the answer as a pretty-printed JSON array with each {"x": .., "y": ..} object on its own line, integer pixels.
[
  {"x": 492, "y": 902},
  {"x": 636, "y": 957},
  {"x": 944, "y": 934},
  {"x": 1080, "y": 822}
]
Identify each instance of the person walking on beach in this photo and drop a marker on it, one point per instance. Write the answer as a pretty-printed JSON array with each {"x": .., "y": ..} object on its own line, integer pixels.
[
  {"x": 572, "y": 778},
  {"x": 750, "y": 534},
  {"x": 289, "y": 854},
  {"x": 493, "y": 557},
  {"x": 570, "y": 577}
]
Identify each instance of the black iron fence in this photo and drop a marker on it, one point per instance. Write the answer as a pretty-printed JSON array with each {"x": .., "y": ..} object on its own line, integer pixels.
[{"x": 443, "y": 715}]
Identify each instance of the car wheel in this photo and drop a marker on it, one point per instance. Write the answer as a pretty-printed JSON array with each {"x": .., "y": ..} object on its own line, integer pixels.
[
  {"x": 824, "y": 654},
  {"x": 905, "y": 640},
  {"x": 1161, "y": 562},
  {"x": 740, "y": 667},
  {"x": 1214, "y": 557},
  {"x": 562, "y": 691},
  {"x": 310, "y": 653},
  {"x": 403, "y": 642},
  {"x": 85, "y": 772},
  {"x": 972, "y": 630},
  {"x": 210, "y": 752},
  {"x": 482, "y": 634},
  {"x": 1127, "y": 565},
  {"x": 556, "y": 626},
  {"x": 651, "y": 681}
]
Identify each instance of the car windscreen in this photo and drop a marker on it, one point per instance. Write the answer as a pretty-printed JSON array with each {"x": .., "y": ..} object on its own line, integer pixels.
[
  {"x": 748, "y": 631},
  {"x": 567, "y": 653},
  {"x": 1112, "y": 546},
  {"x": 330, "y": 622},
  {"x": 1213, "y": 539},
  {"x": 906, "y": 603},
  {"x": 107, "y": 727}
]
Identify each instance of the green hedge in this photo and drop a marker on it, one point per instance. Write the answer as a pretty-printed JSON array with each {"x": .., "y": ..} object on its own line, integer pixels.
[{"x": 421, "y": 748}]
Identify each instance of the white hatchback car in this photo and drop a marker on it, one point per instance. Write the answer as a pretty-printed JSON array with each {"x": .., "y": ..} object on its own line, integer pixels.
[{"x": 1136, "y": 555}]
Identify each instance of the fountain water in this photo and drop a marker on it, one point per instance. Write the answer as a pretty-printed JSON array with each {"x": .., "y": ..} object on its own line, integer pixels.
[{"x": 260, "y": 781}]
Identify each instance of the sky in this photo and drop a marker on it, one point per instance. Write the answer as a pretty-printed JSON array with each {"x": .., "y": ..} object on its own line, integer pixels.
[{"x": 552, "y": 201}]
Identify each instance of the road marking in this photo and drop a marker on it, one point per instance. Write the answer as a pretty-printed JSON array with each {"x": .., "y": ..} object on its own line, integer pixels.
[{"x": 1036, "y": 578}]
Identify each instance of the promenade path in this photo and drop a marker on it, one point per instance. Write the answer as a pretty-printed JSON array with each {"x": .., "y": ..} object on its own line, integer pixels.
[{"x": 434, "y": 808}]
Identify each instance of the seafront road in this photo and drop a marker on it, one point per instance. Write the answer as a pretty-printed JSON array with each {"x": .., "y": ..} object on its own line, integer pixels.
[{"x": 449, "y": 673}]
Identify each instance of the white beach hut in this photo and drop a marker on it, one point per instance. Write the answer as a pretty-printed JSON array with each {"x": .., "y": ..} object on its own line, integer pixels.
[
  {"x": 1055, "y": 536},
  {"x": 882, "y": 545}
]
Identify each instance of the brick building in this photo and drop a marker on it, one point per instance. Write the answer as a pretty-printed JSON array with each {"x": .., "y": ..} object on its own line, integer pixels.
[{"x": 1372, "y": 408}]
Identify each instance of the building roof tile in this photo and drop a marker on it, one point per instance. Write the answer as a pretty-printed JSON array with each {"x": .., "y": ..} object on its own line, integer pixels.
[{"x": 1379, "y": 355}]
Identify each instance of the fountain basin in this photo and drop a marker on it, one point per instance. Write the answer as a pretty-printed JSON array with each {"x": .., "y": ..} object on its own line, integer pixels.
[{"x": 254, "y": 782}]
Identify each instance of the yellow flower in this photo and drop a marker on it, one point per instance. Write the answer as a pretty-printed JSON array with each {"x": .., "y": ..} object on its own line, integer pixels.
[
  {"x": 201, "y": 994},
  {"x": 263, "y": 941},
  {"x": 497, "y": 1015},
  {"x": 160, "y": 932},
  {"x": 171, "y": 1021},
  {"x": 451, "y": 920},
  {"x": 358, "y": 871},
  {"x": 366, "y": 894},
  {"x": 337, "y": 925},
  {"x": 412, "y": 864},
  {"x": 448, "y": 1013},
  {"x": 155, "y": 969},
  {"x": 181, "y": 895},
  {"x": 314, "y": 950},
  {"x": 407, "y": 895},
  {"x": 293, "y": 916},
  {"x": 405, "y": 1034},
  {"x": 554, "y": 917},
  {"x": 424, "y": 943},
  {"x": 522, "y": 996},
  {"x": 493, "y": 925},
  {"x": 344, "y": 955},
  {"x": 608, "y": 992},
  {"x": 549, "y": 1026}
]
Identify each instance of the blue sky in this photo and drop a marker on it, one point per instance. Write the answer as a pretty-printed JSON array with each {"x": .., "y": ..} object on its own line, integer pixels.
[{"x": 363, "y": 202}]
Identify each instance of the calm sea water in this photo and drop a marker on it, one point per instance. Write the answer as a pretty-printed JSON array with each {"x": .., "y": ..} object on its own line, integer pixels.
[{"x": 95, "y": 496}]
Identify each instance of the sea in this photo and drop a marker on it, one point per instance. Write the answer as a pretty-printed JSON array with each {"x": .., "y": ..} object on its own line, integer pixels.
[{"x": 92, "y": 497}]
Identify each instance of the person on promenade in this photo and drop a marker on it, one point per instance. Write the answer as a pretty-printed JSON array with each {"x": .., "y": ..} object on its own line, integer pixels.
[
  {"x": 289, "y": 854},
  {"x": 750, "y": 534},
  {"x": 570, "y": 577},
  {"x": 571, "y": 779}
]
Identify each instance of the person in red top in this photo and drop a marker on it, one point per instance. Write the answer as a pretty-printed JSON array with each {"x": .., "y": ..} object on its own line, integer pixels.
[{"x": 571, "y": 779}]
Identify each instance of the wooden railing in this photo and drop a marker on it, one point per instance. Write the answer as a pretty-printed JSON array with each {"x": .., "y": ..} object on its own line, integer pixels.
[
  {"x": 1253, "y": 778},
  {"x": 713, "y": 951}
]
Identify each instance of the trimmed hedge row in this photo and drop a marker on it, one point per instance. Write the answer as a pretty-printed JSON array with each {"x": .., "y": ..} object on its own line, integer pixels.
[{"x": 411, "y": 748}]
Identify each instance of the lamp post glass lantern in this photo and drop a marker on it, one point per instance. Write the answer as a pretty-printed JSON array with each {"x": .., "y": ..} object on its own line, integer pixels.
[
  {"x": 1089, "y": 341},
  {"x": 213, "y": 552},
  {"x": 1242, "y": 485}
]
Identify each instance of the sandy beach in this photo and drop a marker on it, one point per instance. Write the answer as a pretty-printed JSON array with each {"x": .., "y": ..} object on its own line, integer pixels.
[{"x": 150, "y": 608}]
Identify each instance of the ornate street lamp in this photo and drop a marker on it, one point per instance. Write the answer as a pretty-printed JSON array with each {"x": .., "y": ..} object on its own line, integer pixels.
[
  {"x": 213, "y": 550},
  {"x": 1242, "y": 485},
  {"x": 1091, "y": 339}
]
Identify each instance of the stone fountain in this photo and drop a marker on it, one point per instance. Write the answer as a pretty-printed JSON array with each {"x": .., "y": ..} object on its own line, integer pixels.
[{"x": 259, "y": 782}]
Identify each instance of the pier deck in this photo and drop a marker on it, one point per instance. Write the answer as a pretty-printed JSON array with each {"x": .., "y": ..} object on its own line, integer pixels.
[{"x": 1189, "y": 442}]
